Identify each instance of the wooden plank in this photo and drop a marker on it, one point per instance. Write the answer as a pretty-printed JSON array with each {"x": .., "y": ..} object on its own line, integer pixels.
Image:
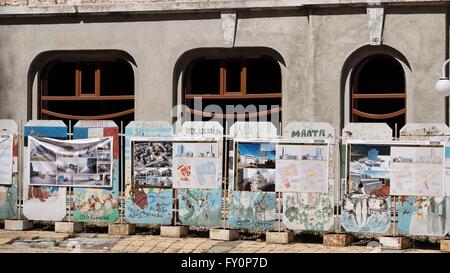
[
  {"x": 107, "y": 116},
  {"x": 87, "y": 97},
  {"x": 235, "y": 96},
  {"x": 380, "y": 96},
  {"x": 379, "y": 116}
]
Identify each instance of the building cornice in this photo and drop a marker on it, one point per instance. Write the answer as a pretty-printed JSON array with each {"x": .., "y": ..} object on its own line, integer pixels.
[{"x": 194, "y": 6}]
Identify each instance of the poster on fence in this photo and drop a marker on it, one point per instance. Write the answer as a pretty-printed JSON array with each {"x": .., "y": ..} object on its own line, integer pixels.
[
  {"x": 73, "y": 163},
  {"x": 196, "y": 165},
  {"x": 6, "y": 159},
  {"x": 417, "y": 171},
  {"x": 200, "y": 207},
  {"x": 255, "y": 167},
  {"x": 301, "y": 168},
  {"x": 152, "y": 164}
]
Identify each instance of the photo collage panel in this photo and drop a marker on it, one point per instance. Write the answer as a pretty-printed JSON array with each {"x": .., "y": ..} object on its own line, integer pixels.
[
  {"x": 255, "y": 167},
  {"x": 152, "y": 164},
  {"x": 74, "y": 163}
]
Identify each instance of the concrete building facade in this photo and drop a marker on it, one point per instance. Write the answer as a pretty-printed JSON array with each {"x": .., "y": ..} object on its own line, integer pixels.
[{"x": 318, "y": 45}]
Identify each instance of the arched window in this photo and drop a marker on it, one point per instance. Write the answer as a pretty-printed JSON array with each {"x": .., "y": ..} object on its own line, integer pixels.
[
  {"x": 379, "y": 92},
  {"x": 254, "y": 83},
  {"x": 87, "y": 90}
]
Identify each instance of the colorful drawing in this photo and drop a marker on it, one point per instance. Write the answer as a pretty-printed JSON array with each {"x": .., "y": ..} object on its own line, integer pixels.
[
  {"x": 95, "y": 205},
  {"x": 149, "y": 206},
  {"x": 251, "y": 210},
  {"x": 423, "y": 216},
  {"x": 302, "y": 168},
  {"x": 366, "y": 213},
  {"x": 43, "y": 203},
  {"x": 417, "y": 171},
  {"x": 200, "y": 207},
  {"x": 8, "y": 200},
  {"x": 196, "y": 165},
  {"x": 308, "y": 211}
]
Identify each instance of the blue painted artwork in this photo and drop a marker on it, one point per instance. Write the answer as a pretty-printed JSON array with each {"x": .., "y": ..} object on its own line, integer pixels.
[
  {"x": 252, "y": 210},
  {"x": 149, "y": 206},
  {"x": 423, "y": 216},
  {"x": 8, "y": 200},
  {"x": 366, "y": 213},
  {"x": 200, "y": 207}
]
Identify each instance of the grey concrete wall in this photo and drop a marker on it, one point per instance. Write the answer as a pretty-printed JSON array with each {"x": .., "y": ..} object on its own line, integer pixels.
[{"x": 315, "y": 45}]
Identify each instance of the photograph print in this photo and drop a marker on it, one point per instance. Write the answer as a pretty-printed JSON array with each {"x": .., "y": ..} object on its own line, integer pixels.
[
  {"x": 152, "y": 164},
  {"x": 256, "y": 167},
  {"x": 369, "y": 171}
]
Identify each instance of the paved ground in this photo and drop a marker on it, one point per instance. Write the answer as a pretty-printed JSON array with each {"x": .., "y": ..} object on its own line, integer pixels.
[{"x": 46, "y": 241}]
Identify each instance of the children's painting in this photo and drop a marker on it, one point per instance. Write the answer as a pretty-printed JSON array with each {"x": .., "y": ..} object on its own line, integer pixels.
[
  {"x": 417, "y": 171},
  {"x": 149, "y": 206},
  {"x": 95, "y": 205},
  {"x": 252, "y": 210},
  {"x": 196, "y": 165},
  {"x": 255, "y": 167},
  {"x": 423, "y": 216},
  {"x": 366, "y": 213},
  {"x": 308, "y": 211},
  {"x": 200, "y": 207},
  {"x": 302, "y": 168}
]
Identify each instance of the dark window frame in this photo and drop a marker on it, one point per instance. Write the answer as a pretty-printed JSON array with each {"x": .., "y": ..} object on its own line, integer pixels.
[{"x": 356, "y": 94}]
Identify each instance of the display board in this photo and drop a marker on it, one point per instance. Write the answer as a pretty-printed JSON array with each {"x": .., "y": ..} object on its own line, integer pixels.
[
  {"x": 99, "y": 204},
  {"x": 198, "y": 173},
  {"x": 366, "y": 204},
  {"x": 43, "y": 202},
  {"x": 175, "y": 163},
  {"x": 252, "y": 197},
  {"x": 144, "y": 205},
  {"x": 6, "y": 158},
  {"x": 312, "y": 211},
  {"x": 422, "y": 215},
  {"x": 70, "y": 163},
  {"x": 8, "y": 167}
]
